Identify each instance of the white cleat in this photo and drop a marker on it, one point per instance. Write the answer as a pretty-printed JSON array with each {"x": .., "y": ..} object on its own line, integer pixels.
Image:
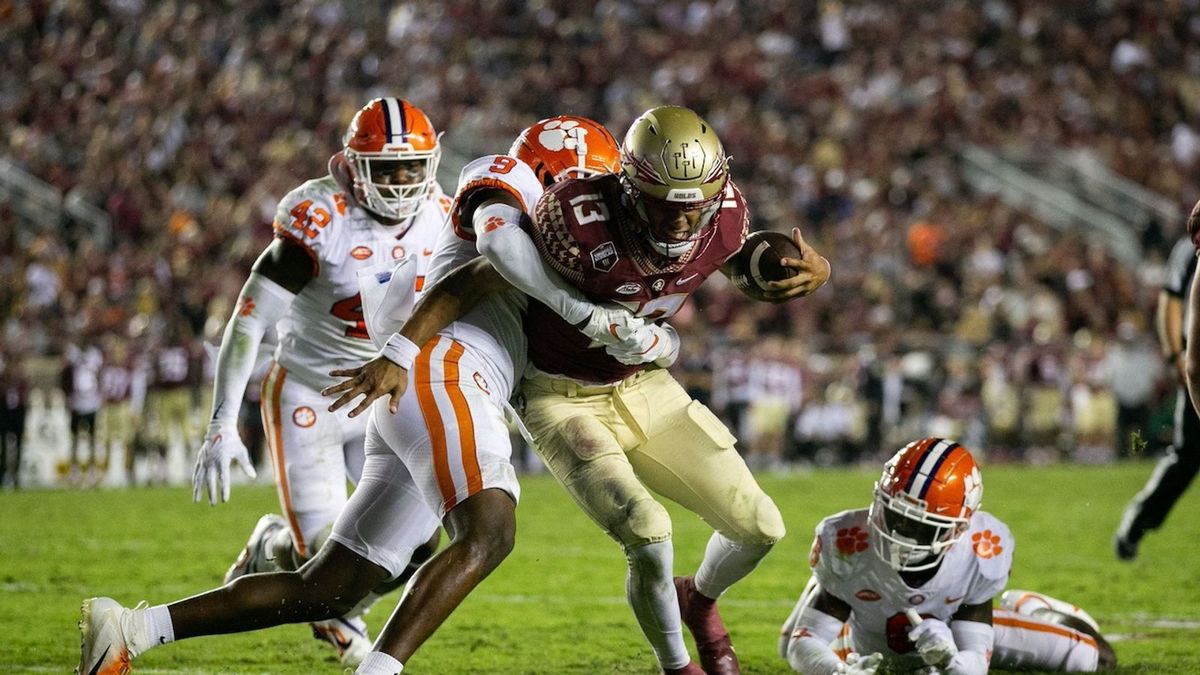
[
  {"x": 1031, "y": 602},
  {"x": 102, "y": 648},
  {"x": 253, "y": 558},
  {"x": 348, "y": 636}
]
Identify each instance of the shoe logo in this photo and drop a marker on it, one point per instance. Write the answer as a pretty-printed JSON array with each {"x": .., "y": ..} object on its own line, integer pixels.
[
  {"x": 683, "y": 280},
  {"x": 951, "y": 601},
  {"x": 96, "y": 668}
]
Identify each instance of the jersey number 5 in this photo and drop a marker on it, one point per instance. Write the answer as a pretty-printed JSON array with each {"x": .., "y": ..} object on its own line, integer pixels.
[{"x": 350, "y": 309}]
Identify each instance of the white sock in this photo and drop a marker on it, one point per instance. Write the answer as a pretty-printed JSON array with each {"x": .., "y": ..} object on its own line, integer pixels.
[
  {"x": 725, "y": 563},
  {"x": 148, "y": 627},
  {"x": 378, "y": 663},
  {"x": 650, "y": 589}
]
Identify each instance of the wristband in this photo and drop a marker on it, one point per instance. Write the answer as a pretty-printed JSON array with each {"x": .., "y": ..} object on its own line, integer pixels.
[{"x": 400, "y": 351}]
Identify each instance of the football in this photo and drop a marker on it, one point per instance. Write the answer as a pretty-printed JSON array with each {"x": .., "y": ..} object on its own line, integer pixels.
[{"x": 758, "y": 262}]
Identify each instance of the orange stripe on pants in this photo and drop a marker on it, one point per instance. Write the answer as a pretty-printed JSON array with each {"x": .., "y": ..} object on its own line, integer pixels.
[
  {"x": 462, "y": 415},
  {"x": 433, "y": 422},
  {"x": 1061, "y": 631},
  {"x": 272, "y": 421}
]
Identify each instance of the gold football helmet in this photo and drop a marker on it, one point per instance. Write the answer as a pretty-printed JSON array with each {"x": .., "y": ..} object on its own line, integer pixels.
[{"x": 675, "y": 172}]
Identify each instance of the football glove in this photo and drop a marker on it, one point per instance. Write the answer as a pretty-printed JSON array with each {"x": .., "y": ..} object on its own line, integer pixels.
[
  {"x": 861, "y": 665},
  {"x": 934, "y": 642},
  {"x": 610, "y": 325},
  {"x": 651, "y": 343},
  {"x": 222, "y": 446}
]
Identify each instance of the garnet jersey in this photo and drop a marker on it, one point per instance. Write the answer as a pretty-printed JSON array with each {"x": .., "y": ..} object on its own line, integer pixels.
[
  {"x": 585, "y": 230},
  {"x": 324, "y": 329},
  {"x": 974, "y": 571}
]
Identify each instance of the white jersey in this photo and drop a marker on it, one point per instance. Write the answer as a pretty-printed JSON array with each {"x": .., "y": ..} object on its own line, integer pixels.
[
  {"x": 324, "y": 328},
  {"x": 974, "y": 571},
  {"x": 494, "y": 328}
]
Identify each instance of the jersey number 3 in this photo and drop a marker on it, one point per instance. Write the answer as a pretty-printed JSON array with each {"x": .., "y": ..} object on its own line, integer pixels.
[{"x": 350, "y": 309}]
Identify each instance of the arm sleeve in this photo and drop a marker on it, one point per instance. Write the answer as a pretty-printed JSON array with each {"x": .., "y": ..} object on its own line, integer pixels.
[
  {"x": 514, "y": 255},
  {"x": 974, "y": 640},
  {"x": 261, "y": 304},
  {"x": 809, "y": 651}
]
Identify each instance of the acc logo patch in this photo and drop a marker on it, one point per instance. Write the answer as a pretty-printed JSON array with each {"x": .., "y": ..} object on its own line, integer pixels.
[
  {"x": 868, "y": 595},
  {"x": 361, "y": 253},
  {"x": 398, "y": 252},
  {"x": 604, "y": 257},
  {"x": 916, "y": 599},
  {"x": 658, "y": 285},
  {"x": 304, "y": 417},
  {"x": 481, "y": 383},
  {"x": 629, "y": 288}
]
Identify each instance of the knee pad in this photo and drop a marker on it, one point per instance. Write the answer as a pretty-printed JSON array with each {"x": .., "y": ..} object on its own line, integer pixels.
[{"x": 757, "y": 523}]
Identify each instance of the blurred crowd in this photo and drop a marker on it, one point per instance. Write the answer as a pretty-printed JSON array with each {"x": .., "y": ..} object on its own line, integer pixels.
[{"x": 948, "y": 311}]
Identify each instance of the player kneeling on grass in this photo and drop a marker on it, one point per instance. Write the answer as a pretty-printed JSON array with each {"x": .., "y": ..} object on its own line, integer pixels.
[{"x": 907, "y": 585}]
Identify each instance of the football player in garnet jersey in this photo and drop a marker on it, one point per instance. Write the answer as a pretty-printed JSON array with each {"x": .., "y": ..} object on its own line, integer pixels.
[
  {"x": 379, "y": 205},
  {"x": 463, "y": 379},
  {"x": 609, "y": 420},
  {"x": 907, "y": 585}
]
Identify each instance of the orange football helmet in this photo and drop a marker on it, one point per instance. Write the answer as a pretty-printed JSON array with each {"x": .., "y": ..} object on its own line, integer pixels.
[
  {"x": 567, "y": 146},
  {"x": 923, "y": 503},
  {"x": 386, "y": 132}
]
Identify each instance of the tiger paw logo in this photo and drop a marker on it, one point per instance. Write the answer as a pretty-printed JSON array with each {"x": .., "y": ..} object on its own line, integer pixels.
[
  {"x": 398, "y": 252},
  {"x": 245, "y": 306},
  {"x": 986, "y": 544},
  {"x": 851, "y": 541},
  {"x": 493, "y": 223},
  {"x": 559, "y": 135},
  {"x": 304, "y": 417}
]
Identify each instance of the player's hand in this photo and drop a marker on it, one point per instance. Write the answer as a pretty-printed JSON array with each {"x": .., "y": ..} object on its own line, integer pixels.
[
  {"x": 934, "y": 641},
  {"x": 652, "y": 343},
  {"x": 812, "y": 271},
  {"x": 373, "y": 379},
  {"x": 861, "y": 665},
  {"x": 611, "y": 325},
  {"x": 222, "y": 446}
]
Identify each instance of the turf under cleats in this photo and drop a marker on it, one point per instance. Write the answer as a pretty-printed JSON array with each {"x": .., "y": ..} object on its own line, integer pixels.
[
  {"x": 348, "y": 636},
  {"x": 103, "y": 649},
  {"x": 253, "y": 559},
  {"x": 699, "y": 614}
]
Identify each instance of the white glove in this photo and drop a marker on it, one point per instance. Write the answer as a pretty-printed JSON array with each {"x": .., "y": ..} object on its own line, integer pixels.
[
  {"x": 651, "y": 343},
  {"x": 861, "y": 665},
  {"x": 934, "y": 642},
  {"x": 610, "y": 325},
  {"x": 222, "y": 445}
]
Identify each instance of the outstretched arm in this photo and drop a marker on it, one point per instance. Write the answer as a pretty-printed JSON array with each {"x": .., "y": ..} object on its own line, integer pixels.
[
  {"x": 282, "y": 270},
  {"x": 387, "y": 374}
]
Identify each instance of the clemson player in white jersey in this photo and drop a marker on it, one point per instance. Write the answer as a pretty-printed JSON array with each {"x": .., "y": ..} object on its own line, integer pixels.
[
  {"x": 908, "y": 584},
  {"x": 390, "y": 515},
  {"x": 380, "y": 204}
]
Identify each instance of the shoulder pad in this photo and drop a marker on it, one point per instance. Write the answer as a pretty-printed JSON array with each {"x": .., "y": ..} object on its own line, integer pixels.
[
  {"x": 991, "y": 545},
  {"x": 305, "y": 213},
  {"x": 841, "y": 539},
  {"x": 555, "y": 222},
  {"x": 493, "y": 172}
]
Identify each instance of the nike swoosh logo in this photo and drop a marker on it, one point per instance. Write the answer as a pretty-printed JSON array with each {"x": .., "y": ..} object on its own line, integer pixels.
[
  {"x": 427, "y": 251},
  {"x": 96, "y": 668},
  {"x": 683, "y": 280},
  {"x": 951, "y": 601}
]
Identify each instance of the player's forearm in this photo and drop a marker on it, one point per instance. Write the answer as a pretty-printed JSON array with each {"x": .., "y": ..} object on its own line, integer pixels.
[
  {"x": 261, "y": 304},
  {"x": 974, "y": 640},
  {"x": 450, "y": 299},
  {"x": 809, "y": 651},
  {"x": 515, "y": 257},
  {"x": 1192, "y": 357},
  {"x": 1168, "y": 320}
]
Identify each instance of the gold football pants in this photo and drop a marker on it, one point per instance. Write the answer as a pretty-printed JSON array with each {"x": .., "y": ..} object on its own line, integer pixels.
[{"x": 609, "y": 445}]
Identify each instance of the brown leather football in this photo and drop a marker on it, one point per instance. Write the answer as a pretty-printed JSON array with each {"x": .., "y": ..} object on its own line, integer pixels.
[{"x": 758, "y": 262}]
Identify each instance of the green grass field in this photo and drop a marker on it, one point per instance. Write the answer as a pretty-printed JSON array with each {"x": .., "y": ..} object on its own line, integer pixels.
[{"x": 557, "y": 604}]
